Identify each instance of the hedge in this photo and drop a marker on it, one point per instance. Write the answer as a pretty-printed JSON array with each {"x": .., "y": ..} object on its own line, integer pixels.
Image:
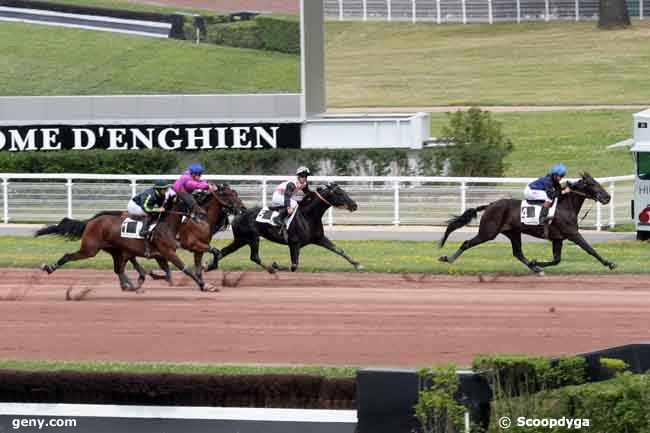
[
  {"x": 92, "y": 161},
  {"x": 262, "y": 162},
  {"x": 262, "y": 32}
]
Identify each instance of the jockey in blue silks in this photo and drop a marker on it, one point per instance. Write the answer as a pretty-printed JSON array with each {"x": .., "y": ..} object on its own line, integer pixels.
[{"x": 547, "y": 188}]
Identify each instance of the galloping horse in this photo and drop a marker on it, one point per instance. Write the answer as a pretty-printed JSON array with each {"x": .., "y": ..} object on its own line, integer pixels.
[
  {"x": 195, "y": 235},
  {"x": 102, "y": 232},
  {"x": 306, "y": 228},
  {"x": 503, "y": 216}
]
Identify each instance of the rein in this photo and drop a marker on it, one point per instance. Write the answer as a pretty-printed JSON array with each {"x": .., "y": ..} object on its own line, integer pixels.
[
  {"x": 590, "y": 207},
  {"x": 322, "y": 198}
]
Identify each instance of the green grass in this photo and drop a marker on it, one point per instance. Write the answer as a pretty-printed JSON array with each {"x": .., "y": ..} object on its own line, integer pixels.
[
  {"x": 579, "y": 139},
  {"x": 376, "y": 256},
  {"x": 105, "y": 367},
  {"x": 557, "y": 63},
  {"x": 43, "y": 60}
]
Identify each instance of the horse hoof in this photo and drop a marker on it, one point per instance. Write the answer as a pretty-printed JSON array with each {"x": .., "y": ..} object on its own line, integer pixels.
[
  {"x": 540, "y": 273},
  {"x": 612, "y": 266},
  {"x": 47, "y": 268},
  {"x": 211, "y": 289},
  {"x": 272, "y": 270},
  {"x": 359, "y": 267},
  {"x": 443, "y": 259}
]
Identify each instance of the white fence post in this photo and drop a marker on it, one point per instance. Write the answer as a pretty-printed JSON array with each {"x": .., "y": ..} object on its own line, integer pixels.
[
  {"x": 547, "y": 11},
  {"x": 389, "y": 10},
  {"x": 612, "y": 205},
  {"x": 414, "y": 11},
  {"x": 490, "y": 16},
  {"x": 69, "y": 183},
  {"x": 463, "y": 4},
  {"x": 396, "y": 203},
  {"x": 340, "y": 10},
  {"x": 134, "y": 188},
  {"x": 438, "y": 12},
  {"x": 264, "y": 192},
  {"x": 640, "y": 9},
  {"x": 5, "y": 199},
  {"x": 463, "y": 197},
  {"x": 577, "y": 10},
  {"x": 330, "y": 217},
  {"x": 599, "y": 216},
  {"x": 518, "y": 11},
  {"x": 365, "y": 10}
]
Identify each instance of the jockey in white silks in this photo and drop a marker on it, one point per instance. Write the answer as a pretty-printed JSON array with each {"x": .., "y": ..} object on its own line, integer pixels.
[{"x": 288, "y": 195}]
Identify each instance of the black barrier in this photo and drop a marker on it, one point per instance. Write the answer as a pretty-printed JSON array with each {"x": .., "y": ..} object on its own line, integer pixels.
[
  {"x": 385, "y": 399},
  {"x": 636, "y": 355},
  {"x": 176, "y": 20}
]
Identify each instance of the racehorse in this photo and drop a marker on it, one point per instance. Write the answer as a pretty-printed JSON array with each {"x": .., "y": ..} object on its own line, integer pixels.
[
  {"x": 102, "y": 232},
  {"x": 195, "y": 235},
  {"x": 306, "y": 228},
  {"x": 503, "y": 216}
]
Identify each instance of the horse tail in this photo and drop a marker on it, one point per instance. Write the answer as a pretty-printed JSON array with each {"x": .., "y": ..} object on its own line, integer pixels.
[
  {"x": 69, "y": 228},
  {"x": 460, "y": 221}
]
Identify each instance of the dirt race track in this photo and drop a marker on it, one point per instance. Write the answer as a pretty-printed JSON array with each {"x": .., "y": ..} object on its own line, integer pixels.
[{"x": 327, "y": 318}]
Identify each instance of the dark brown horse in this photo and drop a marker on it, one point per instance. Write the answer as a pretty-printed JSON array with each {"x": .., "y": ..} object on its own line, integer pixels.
[
  {"x": 195, "y": 235},
  {"x": 306, "y": 229},
  {"x": 504, "y": 216},
  {"x": 102, "y": 232}
]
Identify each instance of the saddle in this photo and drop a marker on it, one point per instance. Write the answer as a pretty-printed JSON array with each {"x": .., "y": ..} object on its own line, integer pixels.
[
  {"x": 131, "y": 228},
  {"x": 266, "y": 215},
  {"x": 530, "y": 210}
]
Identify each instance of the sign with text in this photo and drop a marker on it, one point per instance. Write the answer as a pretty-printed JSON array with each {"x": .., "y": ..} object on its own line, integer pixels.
[{"x": 189, "y": 137}]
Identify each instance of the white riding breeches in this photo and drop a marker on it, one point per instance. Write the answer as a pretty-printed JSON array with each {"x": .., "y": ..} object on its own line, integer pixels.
[
  {"x": 135, "y": 210},
  {"x": 535, "y": 194},
  {"x": 278, "y": 200}
]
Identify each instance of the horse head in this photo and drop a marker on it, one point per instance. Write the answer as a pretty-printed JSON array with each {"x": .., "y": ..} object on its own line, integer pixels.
[
  {"x": 337, "y": 197},
  {"x": 229, "y": 199},
  {"x": 590, "y": 188}
]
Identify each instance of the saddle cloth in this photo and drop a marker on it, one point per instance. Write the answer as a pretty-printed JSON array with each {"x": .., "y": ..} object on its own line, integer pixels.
[
  {"x": 266, "y": 216},
  {"x": 530, "y": 212},
  {"x": 131, "y": 228}
]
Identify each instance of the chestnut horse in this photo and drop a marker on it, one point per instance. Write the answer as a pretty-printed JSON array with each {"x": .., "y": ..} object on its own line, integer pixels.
[
  {"x": 102, "y": 232},
  {"x": 195, "y": 235}
]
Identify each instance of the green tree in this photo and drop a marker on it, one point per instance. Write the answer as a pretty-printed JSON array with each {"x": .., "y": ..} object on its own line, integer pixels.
[{"x": 477, "y": 147}]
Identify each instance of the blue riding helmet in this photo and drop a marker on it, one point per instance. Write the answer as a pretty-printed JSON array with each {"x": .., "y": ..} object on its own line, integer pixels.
[
  {"x": 559, "y": 169},
  {"x": 196, "y": 169}
]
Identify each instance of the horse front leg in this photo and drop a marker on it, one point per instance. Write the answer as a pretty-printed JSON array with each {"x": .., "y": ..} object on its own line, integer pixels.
[
  {"x": 557, "y": 255},
  {"x": 582, "y": 243},
  {"x": 142, "y": 274},
  {"x": 216, "y": 256},
  {"x": 164, "y": 265},
  {"x": 294, "y": 251},
  {"x": 327, "y": 244}
]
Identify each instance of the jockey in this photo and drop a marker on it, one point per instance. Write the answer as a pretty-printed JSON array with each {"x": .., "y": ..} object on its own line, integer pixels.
[
  {"x": 288, "y": 194},
  {"x": 144, "y": 205},
  {"x": 190, "y": 181},
  {"x": 547, "y": 188}
]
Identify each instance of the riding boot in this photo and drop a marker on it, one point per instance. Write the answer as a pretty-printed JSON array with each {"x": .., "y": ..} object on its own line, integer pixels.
[
  {"x": 144, "y": 232},
  {"x": 545, "y": 221}
]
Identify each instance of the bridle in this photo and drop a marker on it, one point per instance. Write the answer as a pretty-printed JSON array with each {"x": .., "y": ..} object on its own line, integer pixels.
[{"x": 322, "y": 198}]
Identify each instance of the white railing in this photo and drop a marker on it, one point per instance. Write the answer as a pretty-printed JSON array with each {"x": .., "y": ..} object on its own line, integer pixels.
[
  {"x": 465, "y": 11},
  {"x": 381, "y": 199}
]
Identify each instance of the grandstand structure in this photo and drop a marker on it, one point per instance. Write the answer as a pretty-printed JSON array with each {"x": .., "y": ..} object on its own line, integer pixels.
[{"x": 471, "y": 11}]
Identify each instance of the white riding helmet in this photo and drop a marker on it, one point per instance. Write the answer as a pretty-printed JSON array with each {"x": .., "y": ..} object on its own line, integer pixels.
[{"x": 302, "y": 171}]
